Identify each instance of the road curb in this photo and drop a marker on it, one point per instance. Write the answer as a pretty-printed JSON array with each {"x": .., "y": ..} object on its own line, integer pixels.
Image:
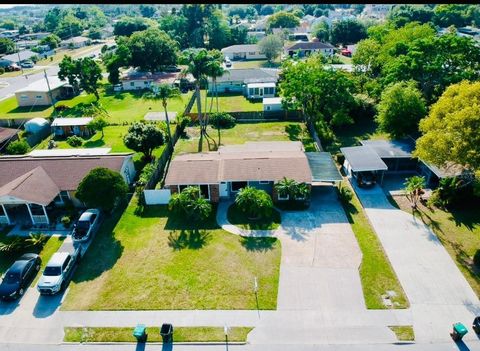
[{"x": 155, "y": 343}]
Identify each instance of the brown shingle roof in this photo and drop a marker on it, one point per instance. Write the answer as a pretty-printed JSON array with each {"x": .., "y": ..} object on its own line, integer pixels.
[
  {"x": 26, "y": 187},
  {"x": 268, "y": 163},
  {"x": 7, "y": 133},
  {"x": 66, "y": 172}
]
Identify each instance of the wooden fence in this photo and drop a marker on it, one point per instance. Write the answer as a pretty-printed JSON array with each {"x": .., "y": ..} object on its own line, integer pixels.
[{"x": 259, "y": 116}]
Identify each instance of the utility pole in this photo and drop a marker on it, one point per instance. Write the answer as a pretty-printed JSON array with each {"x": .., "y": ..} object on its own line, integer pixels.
[
  {"x": 49, "y": 90},
  {"x": 18, "y": 54}
]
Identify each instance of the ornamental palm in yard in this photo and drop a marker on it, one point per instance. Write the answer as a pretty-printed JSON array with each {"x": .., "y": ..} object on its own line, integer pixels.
[
  {"x": 255, "y": 203},
  {"x": 191, "y": 204},
  {"x": 413, "y": 189},
  {"x": 292, "y": 189}
]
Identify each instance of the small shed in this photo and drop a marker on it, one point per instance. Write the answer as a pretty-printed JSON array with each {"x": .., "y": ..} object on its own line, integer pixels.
[
  {"x": 36, "y": 125},
  {"x": 64, "y": 126},
  {"x": 272, "y": 104}
]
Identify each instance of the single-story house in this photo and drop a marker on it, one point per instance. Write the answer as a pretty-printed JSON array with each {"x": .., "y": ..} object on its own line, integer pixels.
[
  {"x": 66, "y": 126},
  {"x": 27, "y": 44},
  {"x": 221, "y": 174},
  {"x": 75, "y": 42},
  {"x": 386, "y": 157},
  {"x": 243, "y": 52},
  {"x": 29, "y": 186},
  {"x": 40, "y": 93},
  {"x": 254, "y": 83},
  {"x": 139, "y": 80},
  {"x": 304, "y": 49},
  {"x": 272, "y": 104},
  {"x": 17, "y": 58},
  {"x": 35, "y": 36},
  {"x": 10, "y": 34},
  {"x": 7, "y": 135}
]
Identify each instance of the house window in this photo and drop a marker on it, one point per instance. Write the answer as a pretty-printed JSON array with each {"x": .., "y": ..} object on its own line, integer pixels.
[
  {"x": 268, "y": 108},
  {"x": 256, "y": 91},
  {"x": 280, "y": 197},
  {"x": 204, "y": 190},
  {"x": 39, "y": 97},
  {"x": 132, "y": 84},
  {"x": 264, "y": 181},
  {"x": 24, "y": 97},
  {"x": 252, "y": 53},
  {"x": 251, "y": 90},
  {"x": 145, "y": 82},
  {"x": 236, "y": 186}
]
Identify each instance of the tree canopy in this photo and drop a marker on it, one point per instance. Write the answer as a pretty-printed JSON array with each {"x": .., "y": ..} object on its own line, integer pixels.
[
  {"x": 128, "y": 25},
  {"x": 7, "y": 46},
  {"x": 101, "y": 187},
  {"x": 82, "y": 73},
  {"x": 144, "y": 138},
  {"x": 347, "y": 32},
  {"x": 450, "y": 131},
  {"x": 283, "y": 19},
  {"x": 271, "y": 46}
]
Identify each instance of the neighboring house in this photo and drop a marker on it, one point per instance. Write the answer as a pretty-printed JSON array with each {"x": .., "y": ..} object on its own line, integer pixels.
[
  {"x": 243, "y": 52},
  {"x": 17, "y": 57},
  {"x": 40, "y": 93},
  {"x": 64, "y": 126},
  {"x": 10, "y": 34},
  {"x": 260, "y": 25},
  {"x": 272, "y": 104},
  {"x": 34, "y": 36},
  {"x": 138, "y": 80},
  {"x": 75, "y": 42},
  {"x": 377, "y": 11},
  {"x": 30, "y": 186},
  {"x": 251, "y": 82},
  {"x": 304, "y": 49},
  {"x": 27, "y": 44},
  {"x": 222, "y": 173},
  {"x": 386, "y": 157},
  {"x": 7, "y": 135}
]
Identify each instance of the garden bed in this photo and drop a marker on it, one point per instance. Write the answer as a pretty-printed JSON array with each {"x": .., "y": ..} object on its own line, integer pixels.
[{"x": 238, "y": 218}]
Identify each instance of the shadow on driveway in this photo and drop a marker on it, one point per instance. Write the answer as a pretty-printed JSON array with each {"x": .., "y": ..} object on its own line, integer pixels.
[
  {"x": 8, "y": 307},
  {"x": 47, "y": 305}
]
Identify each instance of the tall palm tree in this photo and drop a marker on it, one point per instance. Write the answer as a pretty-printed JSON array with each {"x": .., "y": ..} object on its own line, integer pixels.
[
  {"x": 198, "y": 67},
  {"x": 413, "y": 188},
  {"x": 215, "y": 70},
  {"x": 164, "y": 92}
]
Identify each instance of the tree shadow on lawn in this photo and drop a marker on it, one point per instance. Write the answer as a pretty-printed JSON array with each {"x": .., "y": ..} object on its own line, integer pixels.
[
  {"x": 468, "y": 215},
  {"x": 294, "y": 131},
  {"x": 261, "y": 244},
  {"x": 188, "y": 239},
  {"x": 28, "y": 109},
  {"x": 79, "y": 110},
  {"x": 104, "y": 251}
]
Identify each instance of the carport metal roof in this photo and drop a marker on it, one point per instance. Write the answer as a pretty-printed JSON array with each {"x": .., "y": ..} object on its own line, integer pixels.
[
  {"x": 322, "y": 166},
  {"x": 363, "y": 158}
]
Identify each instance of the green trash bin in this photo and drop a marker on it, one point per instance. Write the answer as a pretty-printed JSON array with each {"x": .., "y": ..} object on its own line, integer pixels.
[
  {"x": 459, "y": 331},
  {"x": 140, "y": 333}
]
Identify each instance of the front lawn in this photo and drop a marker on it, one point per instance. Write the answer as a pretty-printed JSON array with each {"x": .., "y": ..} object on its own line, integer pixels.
[
  {"x": 180, "y": 334},
  {"x": 376, "y": 272},
  {"x": 458, "y": 230},
  {"x": 243, "y": 132},
  {"x": 151, "y": 260},
  {"x": 121, "y": 106},
  {"x": 229, "y": 103},
  {"x": 238, "y": 218}
]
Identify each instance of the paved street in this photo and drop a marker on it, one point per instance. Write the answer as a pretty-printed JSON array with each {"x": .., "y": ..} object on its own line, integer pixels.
[{"x": 438, "y": 292}]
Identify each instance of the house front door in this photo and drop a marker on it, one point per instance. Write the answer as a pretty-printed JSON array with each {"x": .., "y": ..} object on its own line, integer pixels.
[{"x": 223, "y": 189}]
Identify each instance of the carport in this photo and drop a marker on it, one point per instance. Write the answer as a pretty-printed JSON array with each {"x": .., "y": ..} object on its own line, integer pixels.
[
  {"x": 360, "y": 159},
  {"x": 323, "y": 167}
]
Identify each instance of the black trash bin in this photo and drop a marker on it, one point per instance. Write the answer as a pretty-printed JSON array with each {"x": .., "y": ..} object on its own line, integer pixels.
[
  {"x": 476, "y": 325},
  {"x": 166, "y": 331}
]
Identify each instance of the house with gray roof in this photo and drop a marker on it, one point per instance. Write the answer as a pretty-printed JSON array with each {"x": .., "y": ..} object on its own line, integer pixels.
[
  {"x": 253, "y": 83},
  {"x": 17, "y": 57},
  {"x": 304, "y": 49},
  {"x": 243, "y": 52}
]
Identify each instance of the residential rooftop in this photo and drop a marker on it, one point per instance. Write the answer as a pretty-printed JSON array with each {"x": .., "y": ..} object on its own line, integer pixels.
[{"x": 41, "y": 85}]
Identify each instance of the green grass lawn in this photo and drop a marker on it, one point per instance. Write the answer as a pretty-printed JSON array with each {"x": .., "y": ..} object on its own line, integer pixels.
[
  {"x": 121, "y": 106},
  {"x": 256, "y": 64},
  {"x": 458, "y": 230},
  {"x": 229, "y": 103},
  {"x": 242, "y": 132},
  {"x": 151, "y": 260},
  {"x": 6, "y": 259},
  {"x": 403, "y": 332},
  {"x": 180, "y": 334},
  {"x": 238, "y": 218},
  {"x": 376, "y": 273}
]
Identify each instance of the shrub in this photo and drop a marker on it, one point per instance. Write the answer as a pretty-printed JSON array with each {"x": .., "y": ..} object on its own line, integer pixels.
[
  {"x": 2, "y": 70},
  {"x": 254, "y": 202},
  {"x": 190, "y": 203},
  {"x": 74, "y": 141},
  {"x": 18, "y": 147},
  {"x": 146, "y": 174},
  {"x": 476, "y": 258},
  {"x": 345, "y": 194},
  {"x": 66, "y": 221},
  {"x": 436, "y": 200}
]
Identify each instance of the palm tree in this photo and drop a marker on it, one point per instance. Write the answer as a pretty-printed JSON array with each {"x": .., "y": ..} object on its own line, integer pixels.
[
  {"x": 413, "y": 188},
  {"x": 293, "y": 189},
  {"x": 215, "y": 70},
  {"x": 164, "y": 92},
  {"x": 198, "y": 67}
]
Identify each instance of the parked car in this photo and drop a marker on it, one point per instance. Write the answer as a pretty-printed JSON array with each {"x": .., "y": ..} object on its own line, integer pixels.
[
  {"x": 366, "y": 179},
  {"x": 12, "y": 68},
  {"x": 19, "y": 276},
  {"x": 86, "y": 225},
  {"x": 27, "y": 64},
  {"x": 59, "y": 269},
  {"x": 228, "y": 63}
]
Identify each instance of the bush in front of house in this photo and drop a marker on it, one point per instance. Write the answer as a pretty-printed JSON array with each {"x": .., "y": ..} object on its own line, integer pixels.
[
  {"x": 18, "y": 147},
  {"x": 254, "y": 203},
  {"x": 345, "y": 194},
  {"x": 66, "y": 221},
  {"x": 190, "y": 203},
  {"x": 74, "y": 141}
]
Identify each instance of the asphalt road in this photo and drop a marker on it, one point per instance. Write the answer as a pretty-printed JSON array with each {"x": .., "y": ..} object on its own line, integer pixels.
[{"x": 15, "y": 83}]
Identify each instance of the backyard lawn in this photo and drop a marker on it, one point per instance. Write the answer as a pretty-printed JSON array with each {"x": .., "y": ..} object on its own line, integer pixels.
[
  {"x": 151, "y": 260},
  {"x": 121, "y": 106},
  {"x": 376, "y": 273},
  {"x": 229, "y": 103},
  {"x": 242, "y": 132},
  {"x": 458, "y": 230}
]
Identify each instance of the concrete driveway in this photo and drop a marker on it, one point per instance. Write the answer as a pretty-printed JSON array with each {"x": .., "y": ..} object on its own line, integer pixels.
[{"x": 438, "y": 292}]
